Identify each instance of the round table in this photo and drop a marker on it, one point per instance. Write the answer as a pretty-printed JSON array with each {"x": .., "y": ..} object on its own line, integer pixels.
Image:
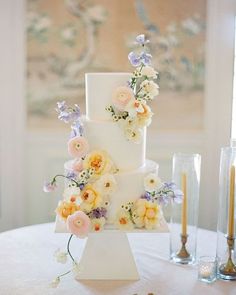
[{"x": 27, "y": 266}]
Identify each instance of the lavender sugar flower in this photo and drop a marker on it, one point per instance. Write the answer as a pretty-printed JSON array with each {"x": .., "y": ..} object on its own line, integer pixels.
[
  {"x": 49, "y": 187},
  {"x": 98, "y": 212},
  {"x": 67, "y": 114},
  {"x": 141, "y": 39}
]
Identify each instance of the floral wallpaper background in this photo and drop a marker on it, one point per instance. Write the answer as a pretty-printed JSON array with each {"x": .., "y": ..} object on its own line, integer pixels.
[{"x": 67, "y": 38}]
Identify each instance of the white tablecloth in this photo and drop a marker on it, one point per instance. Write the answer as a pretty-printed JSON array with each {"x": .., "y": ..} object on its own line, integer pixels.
[{"x": 27, "y": 266}]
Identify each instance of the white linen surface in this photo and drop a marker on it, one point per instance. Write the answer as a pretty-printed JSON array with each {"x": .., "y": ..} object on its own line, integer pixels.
[{"x": 27, "y": 266}]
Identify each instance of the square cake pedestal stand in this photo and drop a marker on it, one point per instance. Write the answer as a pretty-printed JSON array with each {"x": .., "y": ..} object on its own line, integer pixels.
[{"x": 107, "y": 255}]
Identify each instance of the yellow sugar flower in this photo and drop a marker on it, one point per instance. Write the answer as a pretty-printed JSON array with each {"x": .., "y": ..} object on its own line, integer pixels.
[
  {"x": 91, "y": 198},
  {"x": 145, "y": 214},
  {"x": 99, "y": 161},
  {"x": 123, "y": 220},
  {"x": 66, "y": 208},
  {"x": 97, "y": 224}
]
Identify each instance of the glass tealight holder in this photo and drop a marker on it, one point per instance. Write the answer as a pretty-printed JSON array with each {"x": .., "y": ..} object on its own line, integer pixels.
[
  {"x": 207, "y": 269},
  {"x": 184, "y": 216},
  {"x": 226, "y": 227}
]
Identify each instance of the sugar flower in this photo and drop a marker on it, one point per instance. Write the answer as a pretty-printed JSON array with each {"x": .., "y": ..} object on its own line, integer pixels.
[
  {"x": 144, "y": 118},
  {"x": 123, "y": 220},
  {"x": 141, "y": 40},
  {"x": 145, "y": 214},
  {"x": 78, "y": 147},
  {"x": 76, "y": 268},
  {"x": 55, "y": 282},
  {"x": 149, "y": 72},
  {"x": 99, "y": 161},
  {"x": 178, "y": 196},
  {"x": 60, "y": 256},
  {"x": 71, "y": 193},
  {"x": 146, "y": 58},
  {"x": 61, "y": 106},
  {"x": 134, "y": 59},
  {"x": 106, "y": 184},
  {"x": 98, "y": 212},
  {"x": 67, "y": 114},
  {"x": 78, "y": 224},
  {"x": 71, "y": 175},
  {"x": 91, "y": 198},
  {"x": 66, "y": 208},
  {"x": 77, "y": 165},
  {"x": 152, "y": 182},
  {"x": 134, "y": 135},
  {"x": 77, "y": 129},
  {"x": 121, "y": 97},
  {"x": 49, "y": 187},
  {"x": 149, "y": 88},
  {"x": 97, "y": 224},
  {"x": 134, "y": 107}
]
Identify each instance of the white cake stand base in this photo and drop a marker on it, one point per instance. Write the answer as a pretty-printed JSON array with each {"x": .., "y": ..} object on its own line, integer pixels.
[{"x": 107, "y": 256}]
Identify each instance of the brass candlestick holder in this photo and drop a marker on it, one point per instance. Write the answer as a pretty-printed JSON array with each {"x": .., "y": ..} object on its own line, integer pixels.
[
  {"x": 228, "y": 269},
  {"x": 183, "y": 253}
]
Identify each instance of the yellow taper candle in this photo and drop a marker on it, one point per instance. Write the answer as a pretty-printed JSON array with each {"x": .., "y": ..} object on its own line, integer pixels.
[
  {"x": 231, "y": 202},
  {"x": 184, "y": 204}
]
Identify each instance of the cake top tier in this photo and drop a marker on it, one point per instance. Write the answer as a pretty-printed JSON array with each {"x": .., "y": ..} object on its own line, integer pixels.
[{"x": 99, "y": 89}]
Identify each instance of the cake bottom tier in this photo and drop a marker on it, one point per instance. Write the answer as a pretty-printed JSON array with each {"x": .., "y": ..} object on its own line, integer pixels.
[{"x": 130, "y": 187}]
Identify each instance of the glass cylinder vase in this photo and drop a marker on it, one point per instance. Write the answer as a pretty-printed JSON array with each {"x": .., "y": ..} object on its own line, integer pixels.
[
  {"x": 184, "y": 216},
  {"x": 226, "y": 259}
]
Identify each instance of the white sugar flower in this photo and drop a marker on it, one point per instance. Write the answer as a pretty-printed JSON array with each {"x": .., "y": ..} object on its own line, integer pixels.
[
  {"x": 55, "y": 282},
  {"x": 149, "y": 88},
  {"x": 60, "y": 256},
  {"x": 134, "y": 135},
  {"x": 134, "y": 107},
  {"x": 152, "y": 182},
  {"x": 76, "y": 268},
  {"x": 106, "y": 184},
  {"x": 97, "y": 224},
  {"x": 71, "y": 193},
  {"x": 149, "y": 72},
  {"x": 123, "y": 220}
]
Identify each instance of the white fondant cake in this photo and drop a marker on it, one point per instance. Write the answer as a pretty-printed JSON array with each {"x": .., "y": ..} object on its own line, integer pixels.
[{"x": 103, "y": 133}]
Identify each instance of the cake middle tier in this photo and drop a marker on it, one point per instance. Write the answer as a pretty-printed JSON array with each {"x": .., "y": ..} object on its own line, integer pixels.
[{"x": 108, "y": 136}]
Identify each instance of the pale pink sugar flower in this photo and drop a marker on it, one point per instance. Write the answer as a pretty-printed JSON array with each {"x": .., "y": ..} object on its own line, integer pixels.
[
  {"x": 78, "y": 147},
  {"x": 121, "y": 97},
  {"x": 77, "y": 165},
  {"x": 78, "y": 224}
]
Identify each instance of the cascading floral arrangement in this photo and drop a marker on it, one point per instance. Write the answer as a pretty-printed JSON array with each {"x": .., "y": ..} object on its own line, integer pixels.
[
  {"x": 130, "y": 103},
  {"x": 90, "y": 184}
]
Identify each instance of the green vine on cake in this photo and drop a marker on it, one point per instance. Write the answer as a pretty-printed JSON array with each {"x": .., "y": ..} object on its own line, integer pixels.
[{"x": 129, "y": 106}]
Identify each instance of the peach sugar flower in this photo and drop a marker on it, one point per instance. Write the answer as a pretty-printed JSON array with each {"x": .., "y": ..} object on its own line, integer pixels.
[
  {"x": 97, "y": 224},
  {"x": 66, "y": 208},
  {"x": 145, "y": 214},
  {"x": 121, "y": 97},
  {"x": 90, "y": 197},
  {"x": 78, "y": 224},
  {"x": 78, "y": 147},
  {"x": 123, "y": 220}
]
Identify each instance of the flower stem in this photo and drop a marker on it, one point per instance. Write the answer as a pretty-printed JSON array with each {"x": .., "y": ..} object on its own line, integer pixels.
[
  {"x": 68, "y": 248},
  {"x": 65, "y": 273},
  {"x": 61, "y": 175}
]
